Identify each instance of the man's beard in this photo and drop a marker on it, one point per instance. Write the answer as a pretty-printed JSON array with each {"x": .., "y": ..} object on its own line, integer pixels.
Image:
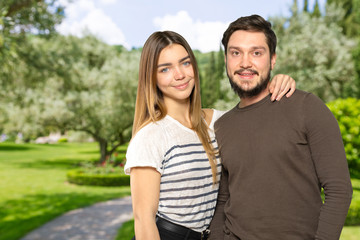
[{"x": 252, "y": 92}]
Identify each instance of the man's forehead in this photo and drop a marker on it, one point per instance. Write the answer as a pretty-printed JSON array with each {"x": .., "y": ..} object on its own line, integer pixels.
[{"x": 249, "y": 39}]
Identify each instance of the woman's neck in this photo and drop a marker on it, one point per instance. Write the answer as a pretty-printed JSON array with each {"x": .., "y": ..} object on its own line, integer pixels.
[{"x": 180, "y": 112}]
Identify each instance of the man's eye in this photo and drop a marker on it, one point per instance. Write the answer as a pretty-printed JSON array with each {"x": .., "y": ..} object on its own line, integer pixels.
[
  {"x": 235, "y": 53},
  {"x": 257, "y": 53}
]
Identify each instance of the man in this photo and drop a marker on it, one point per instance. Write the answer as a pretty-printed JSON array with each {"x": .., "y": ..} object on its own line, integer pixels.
[{"x": 276, "y": 156}]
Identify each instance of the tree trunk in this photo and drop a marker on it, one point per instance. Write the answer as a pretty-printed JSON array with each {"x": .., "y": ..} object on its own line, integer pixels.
[{"x": 103, "y": 150}]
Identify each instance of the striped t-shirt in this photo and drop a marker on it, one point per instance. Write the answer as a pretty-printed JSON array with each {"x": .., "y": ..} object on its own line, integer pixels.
[{"x": 187, "y": 194}]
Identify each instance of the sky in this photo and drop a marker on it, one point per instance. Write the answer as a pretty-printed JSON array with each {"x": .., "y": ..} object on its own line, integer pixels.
[{"x": 131, "y": 22}]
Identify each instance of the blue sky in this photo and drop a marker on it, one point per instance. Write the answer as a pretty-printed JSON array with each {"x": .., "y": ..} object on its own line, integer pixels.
[{"x": 130, "y": 22}]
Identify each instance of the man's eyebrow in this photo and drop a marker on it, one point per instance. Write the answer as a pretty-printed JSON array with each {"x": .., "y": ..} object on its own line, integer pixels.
[
  {"x": 169, "y": 64},
  {"x": 252, "y": 48}
]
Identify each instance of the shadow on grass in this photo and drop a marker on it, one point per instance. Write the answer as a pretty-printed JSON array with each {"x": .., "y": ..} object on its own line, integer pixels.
[
  {"x": 19, "y": 217},
  {"x": 90, "y": 152},
  {"x": 59, "y": 163},
  {"x": 12, "y": 147}
]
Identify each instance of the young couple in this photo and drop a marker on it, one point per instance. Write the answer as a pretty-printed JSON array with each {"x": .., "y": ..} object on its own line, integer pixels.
[{"x": 273, "y": 157}]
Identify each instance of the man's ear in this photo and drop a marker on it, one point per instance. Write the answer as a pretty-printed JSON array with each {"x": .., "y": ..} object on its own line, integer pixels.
[{"x": 273, "y": 61}]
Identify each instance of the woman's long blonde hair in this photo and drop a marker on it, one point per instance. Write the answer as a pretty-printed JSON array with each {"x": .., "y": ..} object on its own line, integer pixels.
[{"x": 150, "y": 106}]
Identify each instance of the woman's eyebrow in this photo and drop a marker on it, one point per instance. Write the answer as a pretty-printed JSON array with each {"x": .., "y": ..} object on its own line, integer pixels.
[
  {"x": 169, "y": 64},
  {"x": 184, "y": 58}
]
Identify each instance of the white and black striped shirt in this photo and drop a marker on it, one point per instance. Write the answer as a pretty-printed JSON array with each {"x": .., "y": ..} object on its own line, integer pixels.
[{"x": 187, "y": 194}]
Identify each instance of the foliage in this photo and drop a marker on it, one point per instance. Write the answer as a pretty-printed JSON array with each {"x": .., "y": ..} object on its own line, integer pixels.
[
  {"x": 33, "y": 185},
  {"x": 229, "y": 99},
  {"x": 75, "y": 84},
  {"x": 211, "y": 73},
  {"x": 314, "y": 51},
  {"x": 18, "y": 18},
  {"x": 356, "y": 57},
  {"x": 350, "y": 23},
  {"x": 347, "y": 113}
]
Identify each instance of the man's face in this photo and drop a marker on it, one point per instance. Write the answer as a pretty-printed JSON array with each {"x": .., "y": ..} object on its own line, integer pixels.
[{"x": 248, "y": 63}]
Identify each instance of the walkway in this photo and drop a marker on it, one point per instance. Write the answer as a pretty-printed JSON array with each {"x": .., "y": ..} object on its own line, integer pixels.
[{"x": 100, "y": 221}]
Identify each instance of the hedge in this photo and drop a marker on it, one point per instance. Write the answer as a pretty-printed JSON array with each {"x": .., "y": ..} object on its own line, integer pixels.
[{"x": 79, "y": 177}]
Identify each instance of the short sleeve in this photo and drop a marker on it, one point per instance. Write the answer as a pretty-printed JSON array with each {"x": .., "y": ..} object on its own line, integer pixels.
[
  {"x": 216, "y": 115},
  {"x": 146, "y": 149}
]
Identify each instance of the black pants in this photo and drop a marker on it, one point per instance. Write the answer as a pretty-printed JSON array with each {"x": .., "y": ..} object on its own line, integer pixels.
[{"x": 170, "y": 235}]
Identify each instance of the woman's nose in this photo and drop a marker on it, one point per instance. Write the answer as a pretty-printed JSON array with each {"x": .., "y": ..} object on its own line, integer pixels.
[{"x": 178, "y": 73}]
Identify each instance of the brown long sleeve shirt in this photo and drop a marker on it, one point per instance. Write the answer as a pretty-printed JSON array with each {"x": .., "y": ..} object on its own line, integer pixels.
[{"x": 277, "y": 156}]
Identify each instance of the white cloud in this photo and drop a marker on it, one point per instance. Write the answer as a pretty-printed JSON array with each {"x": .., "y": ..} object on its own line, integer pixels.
[
  {"x": 108, "y": 1},
  {"x": 82, "y": 16},
  {"x": 204, "y": 36}
]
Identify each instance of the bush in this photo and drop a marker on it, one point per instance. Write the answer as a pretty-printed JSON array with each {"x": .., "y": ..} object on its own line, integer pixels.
[
  {"x": 81, "y": 177},
  {"x": 62, "y": 140},
  {"x": 347, "y": 113}
]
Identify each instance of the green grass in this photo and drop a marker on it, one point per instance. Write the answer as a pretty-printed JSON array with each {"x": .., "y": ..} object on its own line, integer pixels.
[
  {"x": 350, "y": 233},
  {"x": 126, "y": 232},
  {"x": 33, "y": 187}
]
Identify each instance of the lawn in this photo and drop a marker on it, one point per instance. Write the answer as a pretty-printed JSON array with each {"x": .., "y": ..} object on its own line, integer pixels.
[{"x": 33, "y": 187}]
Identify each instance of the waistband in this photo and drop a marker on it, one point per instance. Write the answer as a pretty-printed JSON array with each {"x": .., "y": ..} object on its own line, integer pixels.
[{"x": 186, "y": 232}]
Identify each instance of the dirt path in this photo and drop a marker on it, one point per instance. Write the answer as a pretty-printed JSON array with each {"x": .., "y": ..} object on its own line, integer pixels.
[{"x": 97, "y": 222}]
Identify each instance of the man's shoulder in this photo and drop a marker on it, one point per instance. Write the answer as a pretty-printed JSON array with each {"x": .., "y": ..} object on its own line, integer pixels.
[
  {"x": 303, "y": 97},
  {"x": 224, "y": 116},
  {"x": 299, "y": 94}
]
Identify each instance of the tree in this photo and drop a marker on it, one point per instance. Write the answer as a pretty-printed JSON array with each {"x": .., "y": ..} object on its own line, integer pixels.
[
  {"x": 211, "y": 68},
  {"x": 316, "y": 12},
  {"x": 18, "y": 18},
  {"x": 306, "y": 6},
  {"x": 209, "y": 83},
  {"x": 88, "y": 86},
  {"x": 315, "y": 53},
  {"x": 350, "y": 24}
]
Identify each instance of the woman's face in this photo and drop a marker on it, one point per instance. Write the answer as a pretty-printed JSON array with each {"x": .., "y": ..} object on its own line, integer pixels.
[{"x": 175, "y": 74}]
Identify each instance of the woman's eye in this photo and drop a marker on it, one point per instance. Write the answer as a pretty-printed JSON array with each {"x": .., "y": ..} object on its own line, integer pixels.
[
  {"x": 163, "y": 70},
  {"x": 187, "y": 63}
]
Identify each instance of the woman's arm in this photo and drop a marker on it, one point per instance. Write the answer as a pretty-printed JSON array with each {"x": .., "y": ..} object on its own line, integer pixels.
[
  {"x": 280, "y": 85},
  {"x": 145, "y": 192}
]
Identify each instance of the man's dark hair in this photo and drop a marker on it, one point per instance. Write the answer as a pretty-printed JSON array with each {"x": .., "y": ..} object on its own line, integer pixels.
[{"x": 253, "y": 23}]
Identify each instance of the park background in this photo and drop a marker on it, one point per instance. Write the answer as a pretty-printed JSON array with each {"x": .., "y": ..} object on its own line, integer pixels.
[{"x": 67, "y": 92}]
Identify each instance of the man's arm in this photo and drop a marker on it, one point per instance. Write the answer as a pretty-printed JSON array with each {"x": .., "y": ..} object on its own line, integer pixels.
[
  {"x": 218, "y": 221},
  {"x": 330, "y": 162}
]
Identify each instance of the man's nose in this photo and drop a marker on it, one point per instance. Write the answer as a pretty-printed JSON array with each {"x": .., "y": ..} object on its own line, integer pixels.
[{"x": 245, "y": 61}]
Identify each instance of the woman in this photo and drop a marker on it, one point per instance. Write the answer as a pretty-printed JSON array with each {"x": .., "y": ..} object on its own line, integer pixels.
[{"x": 172, "y": 157}]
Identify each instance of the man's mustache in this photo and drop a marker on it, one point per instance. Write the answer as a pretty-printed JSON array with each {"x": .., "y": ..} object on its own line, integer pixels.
[{"x": 240, "y": 71}]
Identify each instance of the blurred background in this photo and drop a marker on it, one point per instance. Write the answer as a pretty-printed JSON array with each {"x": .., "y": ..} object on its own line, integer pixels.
[{"x": 68, "y": 86}]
